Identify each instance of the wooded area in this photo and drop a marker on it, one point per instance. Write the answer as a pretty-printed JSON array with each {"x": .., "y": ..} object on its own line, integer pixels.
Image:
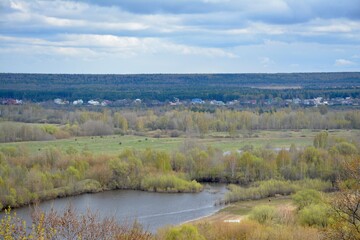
[{"x": 162, "y": 87}]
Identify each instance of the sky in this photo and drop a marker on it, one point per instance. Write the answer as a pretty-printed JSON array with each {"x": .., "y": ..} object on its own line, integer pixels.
[{"x": 179, "y": 36}]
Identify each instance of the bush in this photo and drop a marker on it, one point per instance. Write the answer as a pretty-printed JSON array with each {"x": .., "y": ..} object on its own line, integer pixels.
[
  {"x": 96, "y": 128},
  {"x": 169, "y": 183},
  {"x": 88, "y": 186},
  {"x": 306, "y": 197},
  {"x": 314, "y": 215},
  {"x": 183, "y": 232},
  {"x": 251, "y": 230},
  {"x": 69, "y": 225},
  {"x": 263, "y": 213},
  {"x": 270, "y": 188},
  {"x": 175, "y": 134},
  {"x": 345, "y": 148}
]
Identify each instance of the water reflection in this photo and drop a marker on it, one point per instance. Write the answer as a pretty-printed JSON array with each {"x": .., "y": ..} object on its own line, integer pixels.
[{"x": 152, "y": 210}]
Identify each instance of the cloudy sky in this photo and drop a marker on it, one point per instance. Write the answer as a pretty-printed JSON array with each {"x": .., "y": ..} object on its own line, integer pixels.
[{"x": 179, "y": 36}]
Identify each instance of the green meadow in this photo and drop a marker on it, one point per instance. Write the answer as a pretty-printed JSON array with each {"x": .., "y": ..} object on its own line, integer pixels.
[{"x": 114, "y": 144}]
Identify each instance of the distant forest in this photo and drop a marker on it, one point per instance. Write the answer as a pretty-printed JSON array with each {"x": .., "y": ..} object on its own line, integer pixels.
[{"x": 163, "y": 87}]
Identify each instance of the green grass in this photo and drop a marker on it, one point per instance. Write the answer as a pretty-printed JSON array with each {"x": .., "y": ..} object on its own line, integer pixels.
[
  {"x": 111, "y": 144},
  {"x": 244, "y": 207}
]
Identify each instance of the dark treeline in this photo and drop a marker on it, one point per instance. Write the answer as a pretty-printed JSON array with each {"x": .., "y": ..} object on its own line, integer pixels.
[{"x": 162, "y": 87}]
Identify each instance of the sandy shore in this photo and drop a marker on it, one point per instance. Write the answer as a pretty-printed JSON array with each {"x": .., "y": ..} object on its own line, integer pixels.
[{"x": 220, "y": 216}]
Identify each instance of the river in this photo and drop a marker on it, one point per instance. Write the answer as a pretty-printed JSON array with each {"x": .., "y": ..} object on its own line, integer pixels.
[{"x": 152, "y": 210}]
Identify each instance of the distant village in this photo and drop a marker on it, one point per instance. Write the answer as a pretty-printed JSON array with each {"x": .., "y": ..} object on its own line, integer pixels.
[{"x": 275, "y": 102}]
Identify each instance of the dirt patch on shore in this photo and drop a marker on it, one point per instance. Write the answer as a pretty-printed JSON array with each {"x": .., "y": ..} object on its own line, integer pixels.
[{"x": 220, "y": 217}]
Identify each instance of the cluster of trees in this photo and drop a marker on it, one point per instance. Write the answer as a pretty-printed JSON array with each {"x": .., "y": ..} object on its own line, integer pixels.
[
  {"x": 163, "y": 121},
  {"x": 26, "y": 178}
]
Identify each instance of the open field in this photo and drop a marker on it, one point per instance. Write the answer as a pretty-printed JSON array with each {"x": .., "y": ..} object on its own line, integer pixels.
[
  {"x": 115, "y": 143},
  {"x": 237, "y": 211}
]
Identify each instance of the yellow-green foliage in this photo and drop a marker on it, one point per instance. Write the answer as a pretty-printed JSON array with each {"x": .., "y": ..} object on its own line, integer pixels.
[
  {"x": 306, "y": 197},
  {"x": 321, "y": 140},
  {"x": 263, "y": 213},
  {"x": 344, "y": 148},
  {"x": 245, "y": 230},
  {"x": 50, "y": 129},
  {"x": 315, "y": 215},
  {"x": 68, "y": 225},
  {"x": 12, "y": 228},
  {"x": 169, "y": 183},
  {"x": 184, "y": 232},
  {"x": 269, "y": 188}
]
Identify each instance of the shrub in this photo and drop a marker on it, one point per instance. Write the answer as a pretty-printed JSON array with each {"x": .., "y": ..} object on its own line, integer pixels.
[
  {"x": 270, "y": 188},
  {"x": 263, "y": 213},
  {"x": 345, "y": 148},
  {"x": 252, "y": 230},
  {"x": 169, "y": 183},
  {"x": 314, "y": 215},
  {"x": 96, "y": 128},
  {"x": 69, "y": 225},
  {"x": 183, "y": 232},
  {"x": 50, "y": 129},
  {"x": 175, "y": 134},
  {"x": 306, "y": 197}
]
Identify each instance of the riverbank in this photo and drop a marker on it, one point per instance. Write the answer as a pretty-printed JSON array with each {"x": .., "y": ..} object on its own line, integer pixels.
[
  {"x": 158, "y": 184},
  {"x": 236, "y": 212}
]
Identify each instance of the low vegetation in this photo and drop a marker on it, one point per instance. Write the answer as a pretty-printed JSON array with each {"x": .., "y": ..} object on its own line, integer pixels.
[
  {"x": 169, "y": 183},
  {"x": 69, "y": 225},
  {"x": 329, "y": 164},
  {"x": 271, "y": 188}
]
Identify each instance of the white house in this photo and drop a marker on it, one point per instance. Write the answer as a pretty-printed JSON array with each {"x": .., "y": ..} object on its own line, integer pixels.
[
  {"x": 78, "y": 102},
  {"x": 94, "y": 103}
]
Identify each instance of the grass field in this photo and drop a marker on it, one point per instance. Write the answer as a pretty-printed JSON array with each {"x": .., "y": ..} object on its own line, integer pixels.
[
  {"x": 236, "y": 212},
  {"x": 115, "y": 143},
  {"x": 243, "y": 208}
]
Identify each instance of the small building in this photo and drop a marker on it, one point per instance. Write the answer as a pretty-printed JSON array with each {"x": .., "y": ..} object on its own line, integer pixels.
[
  {"x": 318, "y": 101},
  {"x": 176, "y": 102},
  {"x": 105, "y": 103},
  {"x": 137, "y": 101},
  {"x": 296, "y": 100},
  {"x": 78, "y": 102},
  {"x": 60, "y": 101},
  {"x": 94, "y": 103},
  {"x": 197, "y": 101},
  {"x": 234, "y": 102},
  {"x": 11, "y": 101},
  {"x": 217, "y": 103}
]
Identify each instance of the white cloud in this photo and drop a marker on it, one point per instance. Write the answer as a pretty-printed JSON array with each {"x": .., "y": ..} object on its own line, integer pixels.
[
  {"x": 97, "y": 45},
  {"x": 242, "y": 33},
  {"x": 18, "y": 5},
  {"x": 343, "y": 62}
]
